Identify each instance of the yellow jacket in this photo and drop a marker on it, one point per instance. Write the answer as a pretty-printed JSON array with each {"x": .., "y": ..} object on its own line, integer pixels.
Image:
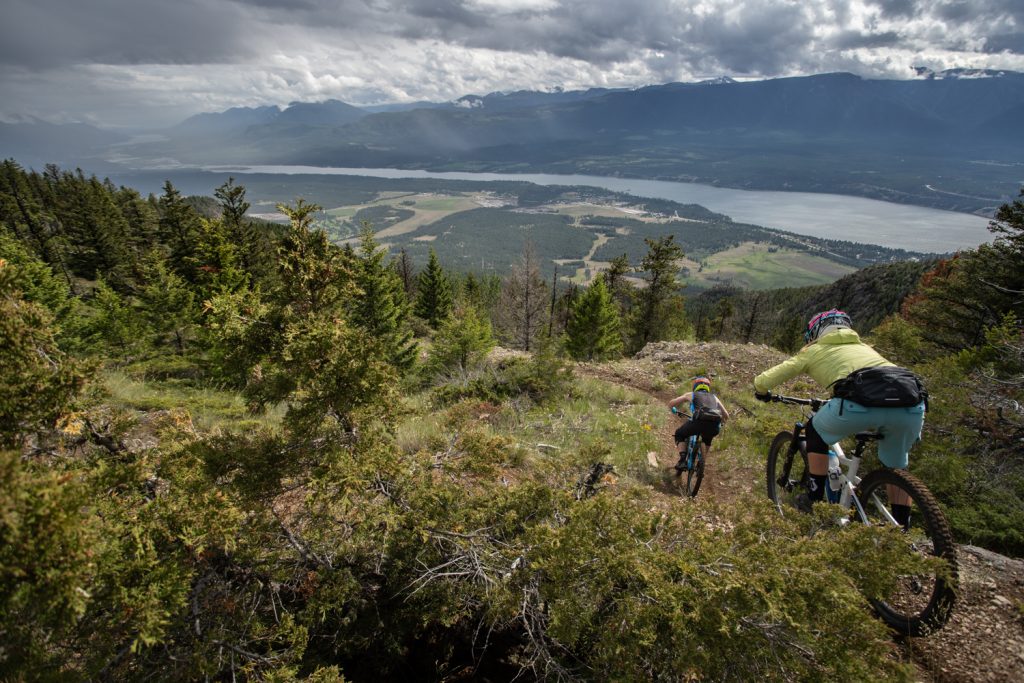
[{"x": 830, "y": 358}]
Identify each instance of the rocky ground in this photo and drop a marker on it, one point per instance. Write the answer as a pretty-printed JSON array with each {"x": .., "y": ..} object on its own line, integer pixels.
[{"x": 984, "y": 640}]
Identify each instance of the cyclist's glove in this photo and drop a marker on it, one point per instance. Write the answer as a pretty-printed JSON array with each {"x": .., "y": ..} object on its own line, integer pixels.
[{"x": 763, "y": 396}]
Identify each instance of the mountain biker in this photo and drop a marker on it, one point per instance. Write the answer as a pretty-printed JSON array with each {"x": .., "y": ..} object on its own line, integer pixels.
[
  {"x": 707, "y": 415},
  {"x": 833, "y": 351}
]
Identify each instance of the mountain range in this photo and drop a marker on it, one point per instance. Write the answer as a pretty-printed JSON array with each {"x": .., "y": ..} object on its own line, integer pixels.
[{"x": 951, "y": 139}]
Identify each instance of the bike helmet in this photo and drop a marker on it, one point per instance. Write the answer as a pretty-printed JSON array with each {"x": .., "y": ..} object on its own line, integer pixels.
[
  {"x": 701, "y": 384},
  {"x": 825, "y": 319}
]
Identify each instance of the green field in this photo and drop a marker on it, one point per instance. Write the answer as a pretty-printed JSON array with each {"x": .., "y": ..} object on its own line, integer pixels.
[{"x": 759, "y": 266}]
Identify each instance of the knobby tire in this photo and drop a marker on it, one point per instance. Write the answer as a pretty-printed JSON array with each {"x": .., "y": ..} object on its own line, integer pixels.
[
  {"x": 923, "y": 604},
  {"x": 696, "y": 474},
  {"x": 783, "y": 463}
]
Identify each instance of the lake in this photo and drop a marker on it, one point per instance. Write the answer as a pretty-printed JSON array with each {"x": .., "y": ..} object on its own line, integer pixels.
[{"x": 830, "y": 216}]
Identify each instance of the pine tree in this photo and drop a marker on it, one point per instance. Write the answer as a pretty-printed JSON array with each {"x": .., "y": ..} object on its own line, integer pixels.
[
  {"x": 434, "y": 301},
  {"x": 615, "y": 277},
  {"x": 21, "y": 210},
  {"x": 37, "y": 381},
  {"x": 251, "y": 245},
  {"x": 724, "y": 310},
  {"x": 142, "y": 217},
  {"x": 216, "y": 261},
  {"x": 300, "y": 345},
  {"x": 115, "y": 322},
  {"x": 167, "y": 301},
  {"x": 179, "y": 227},
  {"x": 593, "y": 330},
  {"x": 658, "y": 313},
  {"x": 463, "y": 341},
  {"x": 381, "y": 309},
  {"x": 314, "y": 274}
]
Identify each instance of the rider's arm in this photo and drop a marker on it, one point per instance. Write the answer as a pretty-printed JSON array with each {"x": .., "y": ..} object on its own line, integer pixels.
[
  {"x": 783, "y": 372},
  {"x": 721, "y": 406},
  {"x": 685, "y": 398}
]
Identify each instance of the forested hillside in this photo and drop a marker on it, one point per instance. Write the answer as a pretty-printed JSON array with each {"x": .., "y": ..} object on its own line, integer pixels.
[{"x": 230, "y": 450}]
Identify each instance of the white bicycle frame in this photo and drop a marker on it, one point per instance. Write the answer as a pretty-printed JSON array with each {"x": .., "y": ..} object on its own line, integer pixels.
[{"x": 848, "y": 480}]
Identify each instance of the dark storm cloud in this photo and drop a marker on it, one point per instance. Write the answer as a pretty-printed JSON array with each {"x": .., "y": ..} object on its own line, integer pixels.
[
  {"x": 115, "y": 57},
  {"x": 1009, "y": 42},
  {"x": 52, "y": 33},
  {"x": 855, "y": 39},
  {"x": 748, "y": 36},
  {"x": 896, "y": 8}
]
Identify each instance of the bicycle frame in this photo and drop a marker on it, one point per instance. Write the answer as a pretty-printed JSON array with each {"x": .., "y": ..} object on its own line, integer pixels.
[
  {"x": 848, "y": 468},
  {"x": 693, "y": 450}
]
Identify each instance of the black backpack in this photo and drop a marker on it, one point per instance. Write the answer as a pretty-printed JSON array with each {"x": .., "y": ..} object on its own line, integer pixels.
[
  {"x": 881, "y": 387},
  {"x": 706, "y": 408}
]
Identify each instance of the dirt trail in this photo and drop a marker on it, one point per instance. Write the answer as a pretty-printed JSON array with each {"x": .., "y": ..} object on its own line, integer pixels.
[
  {"x": 668, "y": 454},
  {"x": 984, "y": 640}
]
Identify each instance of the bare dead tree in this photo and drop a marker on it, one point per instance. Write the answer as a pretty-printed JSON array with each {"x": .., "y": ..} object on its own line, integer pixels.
[{"x": 524, "y": 300}]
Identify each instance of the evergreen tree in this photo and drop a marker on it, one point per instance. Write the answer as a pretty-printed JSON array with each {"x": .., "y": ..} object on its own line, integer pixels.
[
  {"x": 37, "y": 381},
  {"x": 97, "y": 233},
  {"x": 216, "y": 262},
  {"x": 963, "y": 297},
  {"x": 23, "y": 213},
  {"x": 434, "y": 298},
  {"x": 179, "y": 228},
  {"x": 463, "y": 341},
  {"x": 381, "y": 308},
  {"x": 658, "y": 312},
  {"x": 251, "y": 245},
  {"x": 593, "y": 329},
  {"x": 142, "y": 218},
  {"x": 167, "y": 301},
  {"x": 300, "y": 345},
  {"x": 472, "y": 293},
  {"x": 34, "y": 278},
  {"x": 314, "y": 274},
  {"x": 724, "y": 310},
  {"x": 115, "y": 322}
]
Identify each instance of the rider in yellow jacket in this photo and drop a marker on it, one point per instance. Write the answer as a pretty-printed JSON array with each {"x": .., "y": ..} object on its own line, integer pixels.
[{"x": 833, "y": 351}]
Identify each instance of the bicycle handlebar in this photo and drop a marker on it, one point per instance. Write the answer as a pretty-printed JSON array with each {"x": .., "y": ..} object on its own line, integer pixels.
[{"x": 814, "y": 403}]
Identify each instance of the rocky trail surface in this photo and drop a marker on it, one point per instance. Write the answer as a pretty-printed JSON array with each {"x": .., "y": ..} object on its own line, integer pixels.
[{"x": 984, "y": 639}]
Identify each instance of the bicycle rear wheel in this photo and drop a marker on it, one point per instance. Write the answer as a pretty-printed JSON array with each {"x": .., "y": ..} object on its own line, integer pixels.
[
  {"x": 787, "y": 473},
  {"x": 917, "y": 604},
  {"x": 696, "y": 474}
]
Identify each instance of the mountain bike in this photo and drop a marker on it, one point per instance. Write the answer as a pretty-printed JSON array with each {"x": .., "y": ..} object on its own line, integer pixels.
[
  {"x": 694, "y": 460},
  {"x": 918, "y": 604}
]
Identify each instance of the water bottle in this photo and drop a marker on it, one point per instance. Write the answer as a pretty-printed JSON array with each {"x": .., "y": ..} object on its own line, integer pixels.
[{"x": 834, "y": 472}]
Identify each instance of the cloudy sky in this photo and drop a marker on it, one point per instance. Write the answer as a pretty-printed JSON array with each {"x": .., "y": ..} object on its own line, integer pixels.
[{"x": 155, "y": 62}]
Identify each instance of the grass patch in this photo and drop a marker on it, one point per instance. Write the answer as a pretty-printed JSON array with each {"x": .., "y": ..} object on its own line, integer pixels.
[
  {"x": 761, "y": 266},
  {"x": 209, "y": 408},
  {"x": 600, "y": 422}
]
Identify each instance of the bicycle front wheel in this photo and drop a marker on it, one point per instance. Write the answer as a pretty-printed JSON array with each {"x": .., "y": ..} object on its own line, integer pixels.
[
  {"x": 787, "y": 473},
  {"x": 919, "y": 603},
  {"x": 696, "y": 474}
]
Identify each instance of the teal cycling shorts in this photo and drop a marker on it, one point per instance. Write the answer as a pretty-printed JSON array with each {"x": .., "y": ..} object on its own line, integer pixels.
[{"x": 900, "y": 426}]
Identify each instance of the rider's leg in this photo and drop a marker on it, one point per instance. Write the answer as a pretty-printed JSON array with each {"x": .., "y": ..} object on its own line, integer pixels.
[
  {"x": 817, "y": 463},
  {"x": 902, "y": 429}
]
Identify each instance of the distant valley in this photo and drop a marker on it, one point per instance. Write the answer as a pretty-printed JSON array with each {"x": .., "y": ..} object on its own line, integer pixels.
[{"x": 482, "y": 227}]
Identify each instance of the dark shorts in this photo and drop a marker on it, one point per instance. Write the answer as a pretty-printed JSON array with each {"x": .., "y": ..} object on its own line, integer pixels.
[{"x": 706, "y": 430}]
